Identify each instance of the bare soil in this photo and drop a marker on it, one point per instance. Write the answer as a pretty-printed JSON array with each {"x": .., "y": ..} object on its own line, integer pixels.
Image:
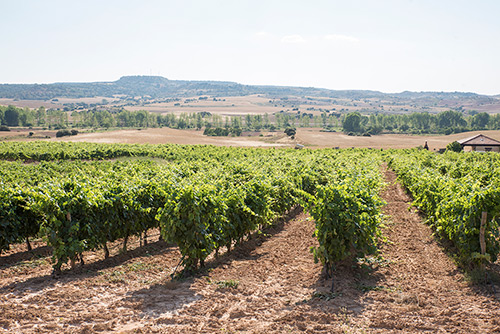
[
  {"x": 21, "y": 134},
  {"x": 268, "y": 284},
  {"x": 172, "y": 136}
]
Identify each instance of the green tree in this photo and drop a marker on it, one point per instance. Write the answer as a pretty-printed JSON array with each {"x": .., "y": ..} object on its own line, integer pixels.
[
  {"x": 248, "y": 121},
  {"x": 125, "y": 118},
  {"x": 352, "y": 122},
  {"x": 40, "y": 116},
  {"x": 454, "y": 146},
  {"x": 480, "y": 120},
  {"x": 141, "y": 118},
  {"x": 420, "y": 120},
  {"x": 199, "y": 121},
  {"x": 450, "y": 119},
  {"x": 11, "y": 116},
  {"x": 236, "y": 122},
  {"x": 266, "y": 121}
]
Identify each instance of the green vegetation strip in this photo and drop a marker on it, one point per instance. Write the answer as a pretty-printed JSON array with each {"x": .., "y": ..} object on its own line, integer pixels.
[
  {"x": 453, "y": 190},
  {"x": 202, "y": 198}
]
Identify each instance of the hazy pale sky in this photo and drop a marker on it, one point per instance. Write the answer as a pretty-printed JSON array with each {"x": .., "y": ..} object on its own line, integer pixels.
[{"x": 384, "y": 45}]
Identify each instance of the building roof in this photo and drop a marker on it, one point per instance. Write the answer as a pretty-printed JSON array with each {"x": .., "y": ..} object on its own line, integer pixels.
[{"x": 479, "y": 140}]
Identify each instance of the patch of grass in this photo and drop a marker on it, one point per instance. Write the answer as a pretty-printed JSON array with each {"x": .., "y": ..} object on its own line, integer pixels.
[
  {"x": 226, "y": 284},
  {"x": 116, "y": 276},
  {"x": 344, "y": 315},
  {"x": 33, "y": 263},
  {"x": 373, "y": 261},
  {"x": 139, "y": 266}
]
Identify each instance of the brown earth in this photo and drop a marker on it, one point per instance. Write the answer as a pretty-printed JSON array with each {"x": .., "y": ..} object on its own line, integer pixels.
[
  {"x": 21, "y": 134},
  {"x": 269, "y": 284},
  {"x": 310, "y": 137},
  {"x": 174, "y": 136}
]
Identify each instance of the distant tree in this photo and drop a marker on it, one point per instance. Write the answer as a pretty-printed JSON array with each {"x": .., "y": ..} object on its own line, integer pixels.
[
  {"x": 480, "y": 120},
  {"x": 124, "y": 118},
  {"x": 11, "y": 116},
  {"x": 236, "y": 121},
  {"x": 248, "y": 121},
  {"x": 374, "y": 130},
  {"x": 182, "y": 124},
  {"x": 451, "y": 119},
  {"x": 257, "y": 122},
  {"x": 495, "y": 121},
  {"x": 23, "y": 118},
  {"x": 104, "y": 119},
  {"x": 352, "y": 122},
  {"x": 266, "y": 121},
  {"x": 236, "y": 132},
  {"x": 199, "y": 121},
  {"x": 404, "y": 128},
  {"x": 141, "y": 118},
  {"x": 420, "y": 120}
]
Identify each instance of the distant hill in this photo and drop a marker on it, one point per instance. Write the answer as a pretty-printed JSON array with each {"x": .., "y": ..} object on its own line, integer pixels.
[{"x": 160, "y": 87}]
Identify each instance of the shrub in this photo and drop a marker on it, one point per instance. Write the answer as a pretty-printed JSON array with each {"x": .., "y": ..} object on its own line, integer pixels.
[
  {"x": 290, "y": 132},
  {"x": 62, "y": 133},
  {"x": 454, "y": 146},
  {"x": 4, "y": 128}
]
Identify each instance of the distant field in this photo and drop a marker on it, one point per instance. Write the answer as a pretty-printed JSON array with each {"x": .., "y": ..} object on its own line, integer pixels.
[
  {"x": 167, "y": 135},
  {"x": 310, "y": 137},
  {"x": 242, "y": 105},
  {"x": 316, "y": 138}
]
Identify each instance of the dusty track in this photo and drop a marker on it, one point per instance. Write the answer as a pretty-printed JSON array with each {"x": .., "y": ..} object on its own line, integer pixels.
[
  {"x": 412, "y": 287},
  {"x": 424, "y": 290}
]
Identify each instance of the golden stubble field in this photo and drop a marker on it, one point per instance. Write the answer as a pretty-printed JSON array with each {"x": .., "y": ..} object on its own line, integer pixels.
[{"x": 309, "y": 137}]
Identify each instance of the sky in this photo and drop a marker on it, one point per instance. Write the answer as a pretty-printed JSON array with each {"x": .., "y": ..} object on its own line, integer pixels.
[{"x": 383, "y": 45}]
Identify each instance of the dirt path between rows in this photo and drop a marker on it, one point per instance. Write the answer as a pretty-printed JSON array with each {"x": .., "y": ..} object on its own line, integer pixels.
[
  {"x": 423, "y": 289},
  {"x": 270, "y": 284}
]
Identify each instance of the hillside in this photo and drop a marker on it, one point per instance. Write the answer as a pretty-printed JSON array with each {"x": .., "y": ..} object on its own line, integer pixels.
[{"x": 160, "y": 87}]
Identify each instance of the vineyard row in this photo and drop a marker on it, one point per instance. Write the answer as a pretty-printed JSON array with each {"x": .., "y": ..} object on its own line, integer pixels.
[{"x": 202, "y": 199}]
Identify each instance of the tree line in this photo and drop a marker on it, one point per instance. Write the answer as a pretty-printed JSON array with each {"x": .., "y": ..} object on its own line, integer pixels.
[{"x": 445, "y": 122}]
